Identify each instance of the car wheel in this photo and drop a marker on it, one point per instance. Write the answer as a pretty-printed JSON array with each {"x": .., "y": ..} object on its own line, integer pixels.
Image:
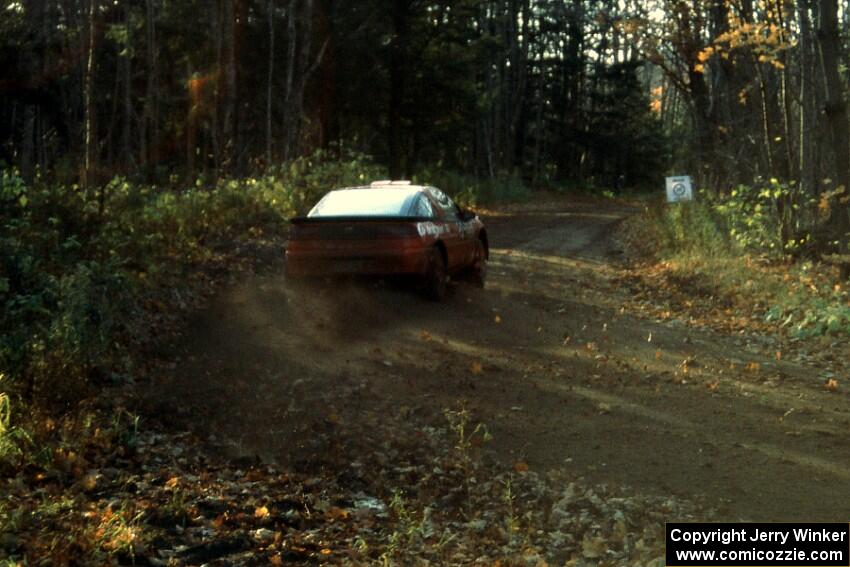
[
  {"x": 478, "y": 272},
  {"x": 436, "y": 280}
]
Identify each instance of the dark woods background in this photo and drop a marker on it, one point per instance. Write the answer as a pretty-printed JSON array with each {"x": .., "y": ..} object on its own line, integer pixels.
[{"x": 604, "y": 93}]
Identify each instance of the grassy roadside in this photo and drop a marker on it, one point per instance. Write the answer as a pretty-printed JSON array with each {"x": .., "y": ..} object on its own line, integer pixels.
[{"x": 725, "y": 264}]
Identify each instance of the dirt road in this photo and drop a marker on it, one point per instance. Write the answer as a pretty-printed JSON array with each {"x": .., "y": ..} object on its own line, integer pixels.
[{"x": 549, "y": 356}]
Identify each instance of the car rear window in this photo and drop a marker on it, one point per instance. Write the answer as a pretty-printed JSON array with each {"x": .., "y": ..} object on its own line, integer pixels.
[{"x": 365, "y": 202}]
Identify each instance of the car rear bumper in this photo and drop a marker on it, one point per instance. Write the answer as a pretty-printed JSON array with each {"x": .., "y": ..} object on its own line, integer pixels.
[{"x": 303, "y": 263}]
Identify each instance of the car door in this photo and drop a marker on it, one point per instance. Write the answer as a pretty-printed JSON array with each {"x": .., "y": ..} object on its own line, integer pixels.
[{"x": 454, "y": 230}]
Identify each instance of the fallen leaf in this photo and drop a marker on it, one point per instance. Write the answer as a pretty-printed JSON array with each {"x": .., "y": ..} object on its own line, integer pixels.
[
  {"x": 336, "y": 513},
  {"x": 476, "y": 368},
  {"x": 261, "y": 512},
  {"x": 497, "y": 319},
  {"x": 521, "y": 466},
  {"x": 831, "y": 385},
  {"x": 425, "y": 336}
]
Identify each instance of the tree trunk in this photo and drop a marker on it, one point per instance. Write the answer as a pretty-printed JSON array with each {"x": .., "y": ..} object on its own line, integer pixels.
[
  {"x": 89, "y": 177},
  {"x": 328, "y": 103},
  {"x": 127, "y": 62},
  {"x": 398, "y": 65},
  {"x": 836, "y": 113},
  {"x": 807, "y": 98},
  {"x": 270, "y": 85},
  {"x": 149, "y": 134}
]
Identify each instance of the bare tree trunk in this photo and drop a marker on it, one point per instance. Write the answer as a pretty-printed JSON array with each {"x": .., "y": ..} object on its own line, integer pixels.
[
  {"x": 194, "y": 88},
  {"x": 219, "y": 86},
  {"x": 292, "y": 42},
  {"x": 836, "y": 111},
  {"x": 329, "y": 107},
  {"x": 398, "y": 64},
  {"x": 90, "y": 142},
  {"x": 270, "y": 84},
  {"x": 148, "y": 135},
  {"x": 127, "y": 62},
  {"x": 807, "y": 98}
]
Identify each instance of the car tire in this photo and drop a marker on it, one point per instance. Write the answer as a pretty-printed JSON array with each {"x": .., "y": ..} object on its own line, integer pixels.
[
  {"x": 436, "y": 280},
  {"x": 478, "y": 271}
]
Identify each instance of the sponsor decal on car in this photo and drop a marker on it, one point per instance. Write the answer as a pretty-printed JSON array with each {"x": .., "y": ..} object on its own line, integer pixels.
[{"x": 431, "y": 229}]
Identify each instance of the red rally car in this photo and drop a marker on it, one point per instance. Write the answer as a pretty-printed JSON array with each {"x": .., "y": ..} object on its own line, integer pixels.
[{"x": 389, "y": 228}]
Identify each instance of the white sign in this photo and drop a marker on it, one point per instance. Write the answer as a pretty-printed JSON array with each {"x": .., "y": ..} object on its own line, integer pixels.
[{"x": 679, "y": 189}]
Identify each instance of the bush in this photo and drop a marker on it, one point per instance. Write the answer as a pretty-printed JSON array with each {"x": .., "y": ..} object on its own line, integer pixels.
[
  {"x": 469, "y": 190},
  {"x": 727, "y": 239},
  {"x": 73, "y": 274},
  {"x": 769, "y": 219},
  {"x": 690, "y": 228}
]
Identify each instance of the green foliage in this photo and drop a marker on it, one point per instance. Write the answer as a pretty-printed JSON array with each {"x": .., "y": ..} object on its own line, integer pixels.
[
  {"x": 295, "y": 187},
  {"x": 762, "y": 218},
  {"x": 717, "y": 238},
  {"x": 689, "y": 228},
  {"x": 74, "y": 278},
  {"x": 468, "y": 190},
  {"x": 767, "y": 219}
]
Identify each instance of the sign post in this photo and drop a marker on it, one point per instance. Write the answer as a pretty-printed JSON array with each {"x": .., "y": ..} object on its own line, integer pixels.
[{"x": 679, "y": 189}]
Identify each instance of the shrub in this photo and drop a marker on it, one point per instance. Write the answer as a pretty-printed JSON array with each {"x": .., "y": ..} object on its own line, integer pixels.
[
  {"x": 689, "y": 228},
  {"x": 469, "y": 190},
  {"x": 73, "y": 273}
]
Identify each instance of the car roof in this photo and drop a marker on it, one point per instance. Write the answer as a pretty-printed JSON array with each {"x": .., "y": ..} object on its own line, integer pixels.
[{"x": 389, "y": 185}]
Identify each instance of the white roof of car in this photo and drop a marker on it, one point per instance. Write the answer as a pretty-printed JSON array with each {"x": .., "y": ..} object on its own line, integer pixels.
[{"x": 378, "y": 200}]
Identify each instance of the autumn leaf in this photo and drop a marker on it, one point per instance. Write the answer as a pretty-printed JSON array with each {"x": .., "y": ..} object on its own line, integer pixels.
[
  {"x": 476, "y": 368},
  {"x": 497, "y": 319},
  {"x": 172, "y": 482},
  {"x": 261, "y": 512},
  {"x": 425, "y": 336},
  {"x": 336, "y": 513},
  {"x": 521, "y": 466},
  {"x": 831, "y": 385}
]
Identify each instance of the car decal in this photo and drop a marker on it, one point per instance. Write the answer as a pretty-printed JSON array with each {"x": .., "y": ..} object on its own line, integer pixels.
[{"x": 430, "y": 229}]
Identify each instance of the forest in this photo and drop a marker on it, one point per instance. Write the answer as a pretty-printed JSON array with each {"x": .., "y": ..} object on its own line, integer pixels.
[
  {"x": 584, "y": 93},
  {"x": 152, "y": 153}
]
